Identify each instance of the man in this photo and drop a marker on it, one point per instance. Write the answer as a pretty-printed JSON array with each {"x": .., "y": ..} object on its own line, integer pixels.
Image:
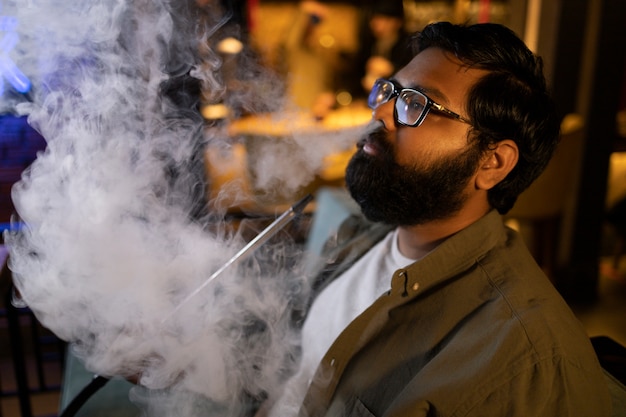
[
  {"x": 449, "y": 315},
  {"x": 383, "y": 44}
]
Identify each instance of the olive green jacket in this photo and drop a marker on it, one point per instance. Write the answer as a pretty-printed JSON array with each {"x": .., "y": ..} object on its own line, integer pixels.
[{"x": 473, "y": 329}]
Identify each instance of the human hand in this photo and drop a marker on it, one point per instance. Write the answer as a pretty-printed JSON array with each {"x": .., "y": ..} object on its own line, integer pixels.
[
  {"x": 379, "y": 66},
  {"x": 323, "y": 104},
  {"x": 375, "y": 68}
]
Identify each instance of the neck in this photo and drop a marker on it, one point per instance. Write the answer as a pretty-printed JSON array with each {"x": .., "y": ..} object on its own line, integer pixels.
[{"x": 416, "y": 241}]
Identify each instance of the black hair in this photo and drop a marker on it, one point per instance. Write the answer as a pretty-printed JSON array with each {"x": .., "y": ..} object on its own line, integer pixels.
[{"x": 510, "y": 102}]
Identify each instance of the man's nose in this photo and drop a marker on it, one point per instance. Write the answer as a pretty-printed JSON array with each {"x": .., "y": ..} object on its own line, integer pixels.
[{"x": 384, "y": 114}]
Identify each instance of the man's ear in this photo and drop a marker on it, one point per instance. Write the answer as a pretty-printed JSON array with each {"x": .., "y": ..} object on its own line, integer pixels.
[{"x": 497, "y": 164}]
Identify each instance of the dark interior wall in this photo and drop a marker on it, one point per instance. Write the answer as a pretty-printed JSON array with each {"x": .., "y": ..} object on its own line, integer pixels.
[
  {"x": 570, "y": 31},
  {"x": 588, "y": 73}
]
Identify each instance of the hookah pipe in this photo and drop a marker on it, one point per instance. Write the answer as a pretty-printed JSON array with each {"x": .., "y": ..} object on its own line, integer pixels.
[{"x": 99, "y": 381}]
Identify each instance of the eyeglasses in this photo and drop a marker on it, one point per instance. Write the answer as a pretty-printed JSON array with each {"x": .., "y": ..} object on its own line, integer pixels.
[{"x": 411, "y": 107}]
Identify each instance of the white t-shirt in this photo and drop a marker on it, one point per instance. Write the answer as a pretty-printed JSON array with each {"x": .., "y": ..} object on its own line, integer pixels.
[{"x": 335, "y": 307}]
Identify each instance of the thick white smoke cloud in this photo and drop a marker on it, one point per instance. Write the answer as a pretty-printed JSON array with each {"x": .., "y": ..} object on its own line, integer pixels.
[{"x": 113, "y": 238}]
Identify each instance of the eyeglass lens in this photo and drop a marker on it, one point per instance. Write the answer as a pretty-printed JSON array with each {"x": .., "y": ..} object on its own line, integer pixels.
[
  {"x": 381, "y": 92},
  {"x": 410, "y": 104}
]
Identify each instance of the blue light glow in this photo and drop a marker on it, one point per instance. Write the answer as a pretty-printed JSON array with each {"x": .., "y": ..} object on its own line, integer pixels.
[{"x": 8, "y": 70}]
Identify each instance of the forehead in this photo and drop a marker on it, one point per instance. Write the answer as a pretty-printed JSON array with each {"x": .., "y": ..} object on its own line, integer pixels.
[{"x": 440, "y": 75}]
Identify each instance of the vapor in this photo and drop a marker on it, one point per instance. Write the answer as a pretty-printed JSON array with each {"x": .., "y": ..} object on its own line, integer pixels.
[{"x": 113, "y": 228}]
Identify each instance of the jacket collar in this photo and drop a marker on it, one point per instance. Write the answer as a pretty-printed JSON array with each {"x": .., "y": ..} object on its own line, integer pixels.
[{"x": 456, "y": 254}]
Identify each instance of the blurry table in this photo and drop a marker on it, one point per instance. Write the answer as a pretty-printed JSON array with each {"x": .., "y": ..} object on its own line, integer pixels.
[
  {"x": 233, "y": 169},
  {"x": 289, "y": 123}
]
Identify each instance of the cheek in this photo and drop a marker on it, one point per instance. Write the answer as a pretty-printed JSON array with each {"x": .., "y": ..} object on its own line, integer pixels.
[
  {"x": 426, "y": 145},
  {"x": 411, "y": 153}
]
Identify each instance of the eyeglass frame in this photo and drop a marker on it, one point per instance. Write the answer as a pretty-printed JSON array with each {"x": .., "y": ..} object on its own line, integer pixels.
[{"x": 430, "y": 104}]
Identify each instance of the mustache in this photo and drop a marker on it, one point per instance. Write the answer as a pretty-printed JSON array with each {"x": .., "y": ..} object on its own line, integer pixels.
[{"x": 378, "y": 138}]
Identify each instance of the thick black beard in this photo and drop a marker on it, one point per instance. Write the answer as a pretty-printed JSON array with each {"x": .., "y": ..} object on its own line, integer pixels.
[{"x": 408, "y": 195}]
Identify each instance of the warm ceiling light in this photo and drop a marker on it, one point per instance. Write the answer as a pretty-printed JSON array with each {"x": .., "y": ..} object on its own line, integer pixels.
[{"x": 230, "y": 46}]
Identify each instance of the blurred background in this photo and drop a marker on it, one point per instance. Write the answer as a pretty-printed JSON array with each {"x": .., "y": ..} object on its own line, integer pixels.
[{"x": 323, "y": 56}]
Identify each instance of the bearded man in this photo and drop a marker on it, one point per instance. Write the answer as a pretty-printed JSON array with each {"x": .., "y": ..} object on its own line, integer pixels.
[{"x": 448, "y": 314}]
